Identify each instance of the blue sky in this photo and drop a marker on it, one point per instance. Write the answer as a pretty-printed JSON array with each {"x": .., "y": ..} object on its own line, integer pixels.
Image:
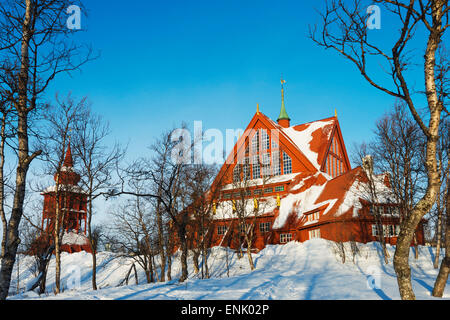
[{"x": 163, "y": 62}]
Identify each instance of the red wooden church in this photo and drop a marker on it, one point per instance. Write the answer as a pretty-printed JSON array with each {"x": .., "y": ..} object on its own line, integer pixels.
[
  {"x": 72, "y": 203},
  {"x": 298, "y": 185}
]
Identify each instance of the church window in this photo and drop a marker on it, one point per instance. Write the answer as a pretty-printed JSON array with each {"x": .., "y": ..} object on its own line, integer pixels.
[
  {"x": 266, "y": 164},
  {"x": 279, "y": 188},
  {"x": 285, "y": 237},
  {"x": 274, "y": 144},
  {"x": 265, "y": 140},
  {"x": 246, "y": 146},
  {"x": 287, "y": 164},
  {"x": 268, "y": 190},
  {"x": 276, "y": 165},
  {"x": 246, "y": 169},
  {"x": 256, "y": 167},
  {"x": 237, "y": 173},
  {"x": 221, "y": 230},
  {"x": 255, "y": 143},
  {"x": 264, "y": 227},
  {"x": 243, "y": 227}
]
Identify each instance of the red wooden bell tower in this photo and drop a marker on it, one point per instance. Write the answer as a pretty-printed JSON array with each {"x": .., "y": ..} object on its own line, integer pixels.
[{"x": 72, "y": 202}]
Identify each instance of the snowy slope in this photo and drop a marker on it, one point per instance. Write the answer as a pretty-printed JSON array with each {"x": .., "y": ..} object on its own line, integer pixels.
[{"x": 309, "y": 270}]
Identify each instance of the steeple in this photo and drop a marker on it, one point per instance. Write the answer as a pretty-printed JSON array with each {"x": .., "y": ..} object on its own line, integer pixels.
[
  {"x": 283, "y": 119},
  {"x": 67, "y": 175},
  {"x": 68, "y": 161}
]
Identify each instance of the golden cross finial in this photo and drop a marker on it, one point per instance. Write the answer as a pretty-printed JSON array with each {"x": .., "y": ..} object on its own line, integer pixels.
[
  {"x": 257, "y": 108},
  {"x": 335, "y": 113}
]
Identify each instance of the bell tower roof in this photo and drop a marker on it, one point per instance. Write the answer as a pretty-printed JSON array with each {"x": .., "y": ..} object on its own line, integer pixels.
[
  {"x": 67, "y": 175},
  {"x": 68, "y": 161}
]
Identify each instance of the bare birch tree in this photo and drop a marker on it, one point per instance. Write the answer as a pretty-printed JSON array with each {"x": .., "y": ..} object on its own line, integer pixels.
[
  {"x": 444, "y": 206},
  {"x": 132, "y": 234},
  {"x": 170, "y": 181},
  {"x": 440, "y": 210},
  {"x": 34, "y": 40},
  {"x": 344, "y": 29},
  {"x": 397, "y": 149},
  {"x": 97, "y": 163}
]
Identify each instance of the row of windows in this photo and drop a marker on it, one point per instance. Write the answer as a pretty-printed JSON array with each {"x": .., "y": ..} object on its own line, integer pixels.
[
  {"x": 384, "y": 210},
  {"x": 286, "y": 237},
  {"x": 264, "y": 165},
  {"x": 263, "y": 227},
  {"x": 388, "y": 230},
  {"x": 256, "y": 192},
  {"x": 221, "y": 230}
]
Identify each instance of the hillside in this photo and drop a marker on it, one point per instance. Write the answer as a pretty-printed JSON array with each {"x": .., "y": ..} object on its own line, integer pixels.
[{"x": 309, "y": 270}]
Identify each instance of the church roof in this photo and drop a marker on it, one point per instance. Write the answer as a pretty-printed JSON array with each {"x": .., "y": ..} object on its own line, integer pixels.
[{"x": 340, "y": 196}]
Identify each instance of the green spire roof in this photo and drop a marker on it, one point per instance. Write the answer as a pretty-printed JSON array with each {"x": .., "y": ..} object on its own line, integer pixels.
[{"x": 283, "y": 113}]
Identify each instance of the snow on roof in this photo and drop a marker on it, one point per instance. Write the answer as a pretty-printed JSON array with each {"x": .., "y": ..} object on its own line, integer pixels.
[
  {"x": 301, "y": 202},
  {"x": 304, "y": 136},
  {"x": 261, "y": 181},
  {"x": 336, "y": 196},
  {"x": 74, "y": 238},
  {"x": 224, "y": 209},
  {"x": 65, "y": 187}
]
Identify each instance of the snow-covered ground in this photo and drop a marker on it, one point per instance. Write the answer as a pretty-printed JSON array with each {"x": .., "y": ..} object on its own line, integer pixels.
[{"x": 309, "y": 270}]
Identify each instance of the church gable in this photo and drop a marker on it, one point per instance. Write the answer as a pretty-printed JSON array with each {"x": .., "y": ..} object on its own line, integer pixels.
[
  {"x": 335, "y": 161},
  {"x": 264, "y": 150}
]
